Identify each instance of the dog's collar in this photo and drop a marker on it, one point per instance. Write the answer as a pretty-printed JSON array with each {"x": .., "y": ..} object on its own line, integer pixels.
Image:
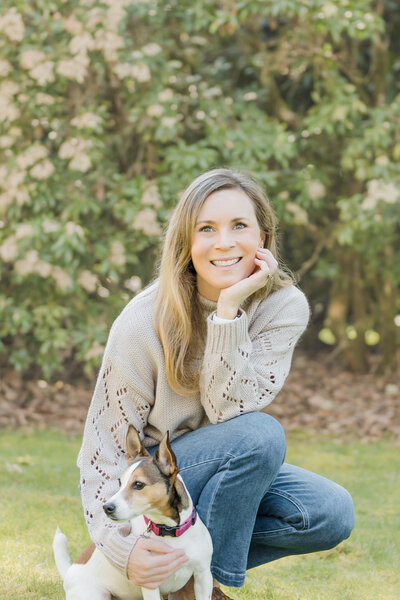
[{"x": 173, "y": 531}]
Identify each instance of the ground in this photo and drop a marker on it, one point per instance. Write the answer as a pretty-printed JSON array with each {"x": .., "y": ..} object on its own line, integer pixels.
[{"x": 318, "y": 395}]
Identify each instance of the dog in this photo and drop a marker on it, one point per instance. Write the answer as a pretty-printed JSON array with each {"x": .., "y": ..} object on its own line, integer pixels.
[{"x": 153, "y": 496}]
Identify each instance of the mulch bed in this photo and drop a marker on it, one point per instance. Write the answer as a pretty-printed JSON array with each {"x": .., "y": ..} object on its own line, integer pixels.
[{"x": 318, "y": 396}]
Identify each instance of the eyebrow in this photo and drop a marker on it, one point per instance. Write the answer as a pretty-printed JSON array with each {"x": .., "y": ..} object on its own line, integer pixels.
[{"x": 232, "y": 220}]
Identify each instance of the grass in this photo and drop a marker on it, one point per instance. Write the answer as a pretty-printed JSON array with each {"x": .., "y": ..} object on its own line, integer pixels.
[{"x": 38, "y": 490}]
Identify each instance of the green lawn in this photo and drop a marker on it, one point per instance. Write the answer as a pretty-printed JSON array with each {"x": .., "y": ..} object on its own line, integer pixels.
[{"x": 38, "y": 483}]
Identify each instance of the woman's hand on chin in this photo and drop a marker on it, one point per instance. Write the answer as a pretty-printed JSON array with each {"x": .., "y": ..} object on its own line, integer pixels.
[{"x": 232, "y": 297}]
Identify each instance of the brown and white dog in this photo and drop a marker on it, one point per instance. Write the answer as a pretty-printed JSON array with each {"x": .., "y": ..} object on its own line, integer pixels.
[{"x": 154, "y": 498}]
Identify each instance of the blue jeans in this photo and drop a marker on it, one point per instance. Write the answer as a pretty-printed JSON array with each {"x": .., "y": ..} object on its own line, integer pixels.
[{"x": 256, "y": 507}]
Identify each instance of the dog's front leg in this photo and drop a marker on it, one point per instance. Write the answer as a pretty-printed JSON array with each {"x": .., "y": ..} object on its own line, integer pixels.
[
  {"x": 151, "y": 594},
  {"x": 203, "y": 584}
]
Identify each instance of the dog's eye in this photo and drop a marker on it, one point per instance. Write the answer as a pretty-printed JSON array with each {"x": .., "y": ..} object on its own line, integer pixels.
[{"x": 138, "y": 485}]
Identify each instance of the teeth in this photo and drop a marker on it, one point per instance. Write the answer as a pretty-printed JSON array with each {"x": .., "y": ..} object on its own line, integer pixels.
[{"x": 225, "y": 263}]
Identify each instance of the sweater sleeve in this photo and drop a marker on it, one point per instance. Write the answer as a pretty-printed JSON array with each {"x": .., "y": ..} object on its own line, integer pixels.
[
  {"x": 122, "y": 396},
  {"x": 240, "y": 374}
]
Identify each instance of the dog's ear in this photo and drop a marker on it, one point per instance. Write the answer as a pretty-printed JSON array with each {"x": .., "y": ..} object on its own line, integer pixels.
[
  {"x": 182, "y": 493},
  {"x": 165, "y": 457},
  {"x": 134, "y": 446}
]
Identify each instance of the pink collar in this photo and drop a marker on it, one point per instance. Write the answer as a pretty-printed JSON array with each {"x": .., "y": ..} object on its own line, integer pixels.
[{"x": 175, "y": 531}]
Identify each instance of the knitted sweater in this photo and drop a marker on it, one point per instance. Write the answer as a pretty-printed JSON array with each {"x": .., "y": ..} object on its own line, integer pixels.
[{"x": 245, "y": 364}]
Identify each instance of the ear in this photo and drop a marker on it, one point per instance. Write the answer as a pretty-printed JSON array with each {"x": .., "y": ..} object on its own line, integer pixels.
[
  {"x": 182, "y": 493},
  {"x": 165, "y": 457},
  {"x": 134, "y": 446}
]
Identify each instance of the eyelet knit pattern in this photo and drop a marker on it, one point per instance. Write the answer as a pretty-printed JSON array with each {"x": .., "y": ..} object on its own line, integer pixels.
[{"x": 245, "y": 364}]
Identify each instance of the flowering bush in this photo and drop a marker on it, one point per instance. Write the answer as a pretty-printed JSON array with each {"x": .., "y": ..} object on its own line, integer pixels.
[{"x": 109, "y": 108}]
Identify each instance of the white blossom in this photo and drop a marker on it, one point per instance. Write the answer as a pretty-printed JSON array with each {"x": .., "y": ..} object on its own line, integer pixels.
[
  {"x": 44, "y": 99},
  {"x": 115, "y": 14},
  {"x": 8, "y": 111},
  {"x": 43, "y": 73},
  {"x": 380, "y": 190},
  {"x": 146, "y": 221},
  {"x": 94, "y": 17},
  {"x": 88, "y": 281},
  {"x": 9, "y": 249},
  {"x": 23, "y": 230},
  {"x": 12, "y": 25},
  {"x": 315, "y": 189},
  {"x": 5, "y": 200},
  {"x": 87, "y": 120},
  {"x": 43, "y": 268},
  {"x": 151, "y": 49},
  {"x": 329, "y": 9},
  {"x": 6, "y": 141},
  {"x": 9, "y": 88},
  {"x": 166, "y": 95},
  {"x": 42, "y": 170},
  {"x": 31, "y": 155},
  {"x": 73, "y": 146},
  {"x": 134, "y": 283},
  {"x": 74, "y": 68},
  {"x": 73, "y": 228},
  {"x": 250, "y": 96},
  {"x": 109, "y": 43},
  {"x": 299, "y": 214},
  {"x": 141, "y": 72},
  {"x": 80, "y": 162},
  {"x": 170, "y": 121},
  {"x": 155, "y": 110},
  {"x": 117, "y": 254},
  {"x": 5, "y": 67},
  {"x": 151, "y": 195},
  {"x": 72, "y": 25},
  {"x": 32, "y": 58},
  {"x": 63, "y": 280},
  {"x": 382, "y": 160},
  {"x": 103, "y": 292},
  {"x": 81, "y": 43},
  {"x": 27, "y": 264},
  {"x": 15, "y": 132},
  {"x": 50, "y": 226},
  {"x": 122, "y": 70}
]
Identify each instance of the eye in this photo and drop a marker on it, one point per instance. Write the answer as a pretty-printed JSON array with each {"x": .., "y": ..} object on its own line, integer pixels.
[
  {"x": 206, "y": 228},
  {"x": 240, "y": 225},
  {"x": 119, "y": 483},
  {"x": 138, "y": 485}
]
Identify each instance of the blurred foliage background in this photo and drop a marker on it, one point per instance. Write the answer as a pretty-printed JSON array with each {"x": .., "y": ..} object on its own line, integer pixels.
[{"x": 109, "y": 108}]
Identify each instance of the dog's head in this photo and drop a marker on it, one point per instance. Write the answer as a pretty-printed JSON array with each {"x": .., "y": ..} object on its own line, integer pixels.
[{"x": 149, "y": 485}]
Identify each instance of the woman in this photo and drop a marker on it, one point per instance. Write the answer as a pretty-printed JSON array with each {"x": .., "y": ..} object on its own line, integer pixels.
[{"x": 200, "y": 353}]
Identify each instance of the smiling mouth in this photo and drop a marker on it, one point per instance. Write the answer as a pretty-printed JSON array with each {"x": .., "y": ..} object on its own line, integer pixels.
[{"x": 226, "y": 263}]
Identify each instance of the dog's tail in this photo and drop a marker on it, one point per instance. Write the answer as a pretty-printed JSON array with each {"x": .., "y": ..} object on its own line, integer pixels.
[{"x": 60, "y": 550}]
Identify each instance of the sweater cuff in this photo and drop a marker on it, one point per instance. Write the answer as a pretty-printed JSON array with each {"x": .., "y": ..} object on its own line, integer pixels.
[
  {"x": 226, "y": 335},
  {"x": 118, "y": 550},
  {"x": 218, "y": 319}
]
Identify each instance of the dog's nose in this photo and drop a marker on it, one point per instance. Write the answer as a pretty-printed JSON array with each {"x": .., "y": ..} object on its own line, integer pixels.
[{"x": 109, "y": 508}]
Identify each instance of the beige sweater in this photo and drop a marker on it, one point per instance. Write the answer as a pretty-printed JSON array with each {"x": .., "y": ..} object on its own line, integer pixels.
[{"x": 245, "y": 364}]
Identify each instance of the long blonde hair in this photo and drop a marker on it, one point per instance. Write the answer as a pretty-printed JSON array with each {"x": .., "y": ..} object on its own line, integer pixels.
[{"x": 178, "y": 316}]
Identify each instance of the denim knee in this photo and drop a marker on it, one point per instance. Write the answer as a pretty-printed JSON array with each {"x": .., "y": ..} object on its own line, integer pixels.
[
  {"x": 264, "y": 438},
  {"x": 346, "y": 518},
  {"x": 338, "y": 519}
]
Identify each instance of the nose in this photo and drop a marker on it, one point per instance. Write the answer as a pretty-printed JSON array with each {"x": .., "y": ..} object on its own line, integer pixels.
[
  {"x": 109, "y": 508},
  {"x": 224, "y": 239}
]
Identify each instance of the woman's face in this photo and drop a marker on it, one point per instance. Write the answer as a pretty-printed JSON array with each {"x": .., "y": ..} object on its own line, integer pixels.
[{"x": 225, "y": 239}]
